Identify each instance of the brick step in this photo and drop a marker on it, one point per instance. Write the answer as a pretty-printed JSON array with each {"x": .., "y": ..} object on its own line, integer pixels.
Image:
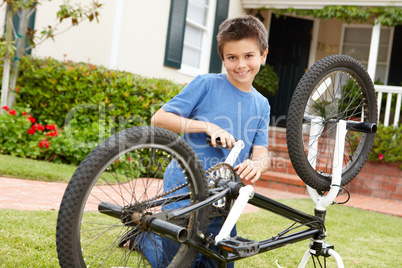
[
  {"x": 278, "y": 148},
  {"x": 281, "y": 181},
  {"x": 282, "y": 165},
  {"x": 281, "y": 150},
  {"x": 277, "y": 137}
]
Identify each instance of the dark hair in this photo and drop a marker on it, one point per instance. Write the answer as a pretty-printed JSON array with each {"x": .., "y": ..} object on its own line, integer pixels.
[{"x": 242, "y": 27}]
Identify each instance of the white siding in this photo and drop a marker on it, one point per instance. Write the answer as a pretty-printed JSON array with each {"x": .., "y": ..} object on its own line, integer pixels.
[
  {"x": 85, "y": 42},
  {"x": 142, "y": 41}
]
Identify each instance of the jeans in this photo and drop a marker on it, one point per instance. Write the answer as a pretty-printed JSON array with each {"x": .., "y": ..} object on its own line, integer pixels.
[{"x": 166, "y": 249}]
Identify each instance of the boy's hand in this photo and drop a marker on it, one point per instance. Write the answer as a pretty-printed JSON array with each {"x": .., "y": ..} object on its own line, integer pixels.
[
  {"x": 253, "y": 168},
  {"x": 249, "y": 170},
  {"x": 216, "y": 132}
]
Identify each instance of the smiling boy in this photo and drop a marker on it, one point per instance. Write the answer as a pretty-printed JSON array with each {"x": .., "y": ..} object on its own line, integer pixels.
[{"x": 226, "y": 106}]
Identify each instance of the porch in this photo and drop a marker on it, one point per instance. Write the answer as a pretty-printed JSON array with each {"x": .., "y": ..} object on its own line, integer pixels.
[
  {"x": 374, "y": 180},
  {"x": 374, "y": 45}
]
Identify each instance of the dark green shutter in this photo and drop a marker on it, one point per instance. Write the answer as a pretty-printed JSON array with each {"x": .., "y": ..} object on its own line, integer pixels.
[
  {"x": 222, "y": 8},
  {"x": 175, "y": 34}
]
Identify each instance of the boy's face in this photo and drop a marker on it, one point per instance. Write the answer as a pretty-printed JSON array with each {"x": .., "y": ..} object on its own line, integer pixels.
[{"x": 242, "y": 60}]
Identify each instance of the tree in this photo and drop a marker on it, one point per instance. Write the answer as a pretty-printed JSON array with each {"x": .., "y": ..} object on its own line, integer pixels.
[{"x": 15, "y": 42}]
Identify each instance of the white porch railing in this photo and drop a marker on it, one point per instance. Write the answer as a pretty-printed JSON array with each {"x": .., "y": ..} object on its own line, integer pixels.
[{"x": 391, "y": 91}]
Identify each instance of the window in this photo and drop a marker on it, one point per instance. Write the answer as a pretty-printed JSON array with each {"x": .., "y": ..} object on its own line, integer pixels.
[
  {"x": 197, "y": 36},
  {"x": 356, "y": 43},
  {"x": 191, "y": 42}
]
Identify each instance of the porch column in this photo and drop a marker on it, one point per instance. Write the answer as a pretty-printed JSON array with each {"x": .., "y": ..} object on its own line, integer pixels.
[
  {"x": 374, "y": 45},
  {"x": 372, "y": 61},
  {"x": 114, "y": 49}
]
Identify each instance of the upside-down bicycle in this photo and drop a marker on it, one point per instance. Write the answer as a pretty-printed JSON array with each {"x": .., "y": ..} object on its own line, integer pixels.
[{"x": 118, "y": 191}]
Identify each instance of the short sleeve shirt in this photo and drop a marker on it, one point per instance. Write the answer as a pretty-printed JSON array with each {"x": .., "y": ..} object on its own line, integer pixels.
[{"x": 212, "y": 98}]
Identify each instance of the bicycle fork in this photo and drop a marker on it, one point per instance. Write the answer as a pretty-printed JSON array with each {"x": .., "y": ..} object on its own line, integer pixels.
[{"x": 319, "y": 247}]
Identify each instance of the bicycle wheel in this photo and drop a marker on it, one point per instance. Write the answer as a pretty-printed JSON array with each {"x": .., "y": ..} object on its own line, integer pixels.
[
  {"x": 335, "y": 88},
  {"x": 124, "y": 179}
]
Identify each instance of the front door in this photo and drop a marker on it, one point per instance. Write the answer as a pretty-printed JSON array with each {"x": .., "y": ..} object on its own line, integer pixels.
[{"x": 289, "y": 47}]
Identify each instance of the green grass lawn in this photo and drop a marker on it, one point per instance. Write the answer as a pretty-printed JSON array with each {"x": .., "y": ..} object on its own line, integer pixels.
[
  {"x": 362, "y": 238},
  {"x": 23, "y": 168}
]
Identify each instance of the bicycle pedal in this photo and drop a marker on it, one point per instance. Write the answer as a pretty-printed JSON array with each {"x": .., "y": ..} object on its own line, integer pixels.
[{"x": 239, "y": 246}]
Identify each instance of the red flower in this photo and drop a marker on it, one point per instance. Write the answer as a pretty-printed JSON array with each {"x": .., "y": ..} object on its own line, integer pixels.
[
  {"x": 33, "y": 120},
  {"x": 31, "y": 131},
  {"x": 44, "y": 143},
  {"x": 24, "y": 113},
  {"x": 51, "y": 127},
  {"x": 38, "y": 127},
  {"x": 12, "y": 112},
  {"x": 52, "y": 134},
  {"x": 381, "y": 157},
  {"x": 5, "y": 108}
]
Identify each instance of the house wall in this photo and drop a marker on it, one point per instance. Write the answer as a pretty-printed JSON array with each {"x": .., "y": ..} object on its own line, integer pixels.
[
  {"x": 85, "y": 42},
  {"x": 141, "y": 44},
  {"x": 235, "y": 9},
  {"x": 329, "y": 37},
  {"x": 142, "y": 39}
]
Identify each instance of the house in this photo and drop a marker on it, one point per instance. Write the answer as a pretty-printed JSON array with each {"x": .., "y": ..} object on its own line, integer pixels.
[{"x": 175, "y": 39}]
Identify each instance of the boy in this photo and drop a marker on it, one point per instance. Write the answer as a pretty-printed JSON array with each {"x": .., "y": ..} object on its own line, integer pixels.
[{"x": 226, "y": 106}]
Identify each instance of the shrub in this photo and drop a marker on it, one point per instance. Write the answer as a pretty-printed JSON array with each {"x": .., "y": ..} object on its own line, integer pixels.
[
  {"x": 86, "y": 103},
  {"x": 22, "y": 135},
  {"x": 266, "y": 81},
  {"x": 53, "y": 89},
  {"x": 387, "y": 145}
]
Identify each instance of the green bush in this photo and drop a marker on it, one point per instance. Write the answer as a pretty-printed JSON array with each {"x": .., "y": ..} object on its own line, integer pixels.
[
  {"x": 87, "y": 103},
  {"x": 22, "y": 135},
  {"x": 387, "y": 145},
  {"x": 266, "y": 81},
  {"x": 53, "y": 89}
]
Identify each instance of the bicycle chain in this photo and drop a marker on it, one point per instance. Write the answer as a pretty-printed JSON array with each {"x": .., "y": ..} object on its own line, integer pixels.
[
  {"x": 208, "y": 171},
  {"x": 140, "y": 203},
  {"x": 219, "y": 166}
]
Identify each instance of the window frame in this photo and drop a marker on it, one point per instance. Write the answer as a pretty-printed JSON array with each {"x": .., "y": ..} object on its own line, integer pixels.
[
  {"x": 389, "y": 49},
  {"x": 206, "y": 42}
]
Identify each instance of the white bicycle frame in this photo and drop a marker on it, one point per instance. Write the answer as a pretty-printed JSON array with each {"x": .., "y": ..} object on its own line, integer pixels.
[{"x": 321, "y": 201}]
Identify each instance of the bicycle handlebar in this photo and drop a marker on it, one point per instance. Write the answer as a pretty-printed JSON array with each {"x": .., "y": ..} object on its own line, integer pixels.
[
  {"x": 350, "y": 125},
  {"x": 218, "y": 142}
]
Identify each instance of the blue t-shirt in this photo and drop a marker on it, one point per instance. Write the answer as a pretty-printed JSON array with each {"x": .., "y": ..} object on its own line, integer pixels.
[{"x": 212, "y": 98}]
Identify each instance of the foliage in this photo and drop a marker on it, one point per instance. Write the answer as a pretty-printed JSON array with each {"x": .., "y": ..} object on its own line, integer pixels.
[
  {"x": 81, "y": 94},
  {"x": 6, "y": 48},
  {"x": 387, "y": 145},
  {"x": 22, "y": 135},
  {"x": 266, "y": 81},
  {"x": 387, "y": 16},
  {"x": 87, "y": 103}
]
